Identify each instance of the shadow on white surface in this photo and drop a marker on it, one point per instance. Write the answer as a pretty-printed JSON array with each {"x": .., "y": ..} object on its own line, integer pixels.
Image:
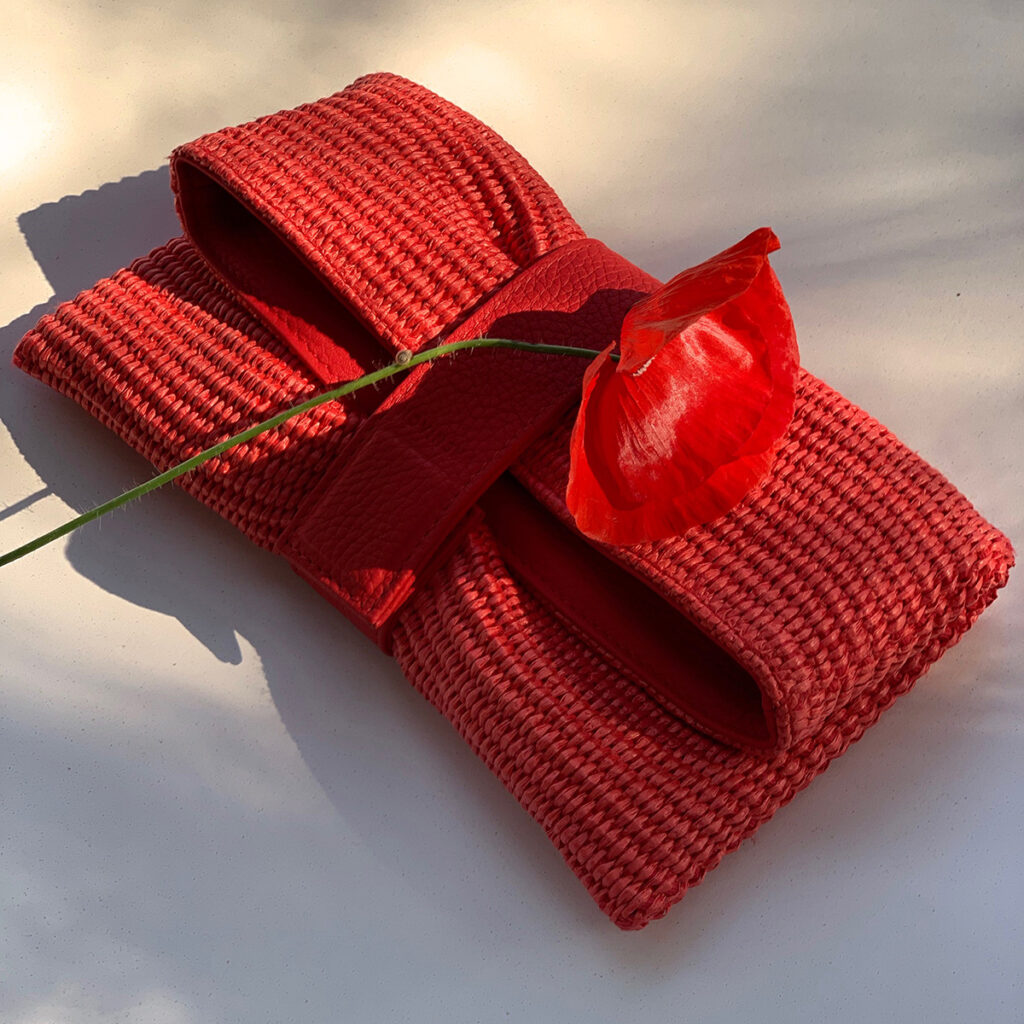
[
  {"x": 80, "y": 239},
  {"x": 236, "y": 809}
]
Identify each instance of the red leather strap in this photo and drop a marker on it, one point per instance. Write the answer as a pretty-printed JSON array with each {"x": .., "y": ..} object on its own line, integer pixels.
[{"x": 397, "y": 494}]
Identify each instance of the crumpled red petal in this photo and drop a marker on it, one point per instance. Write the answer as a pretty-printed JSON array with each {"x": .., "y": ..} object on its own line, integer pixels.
[{"x": 685, "y": 424}]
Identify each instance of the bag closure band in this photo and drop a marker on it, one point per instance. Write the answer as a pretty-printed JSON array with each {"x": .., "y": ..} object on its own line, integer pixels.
[{"x": 393, "y": 501}]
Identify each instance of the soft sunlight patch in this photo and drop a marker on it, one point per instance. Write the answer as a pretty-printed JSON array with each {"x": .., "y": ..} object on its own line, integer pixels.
[
  {"x": 25, "y": 124},
  {"x": 476, "y": 72}
]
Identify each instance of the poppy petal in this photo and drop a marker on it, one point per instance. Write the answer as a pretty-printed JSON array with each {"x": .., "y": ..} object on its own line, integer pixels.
[
  {"x": 692, "y": 293},
  {"x": 679, "y": 436}
]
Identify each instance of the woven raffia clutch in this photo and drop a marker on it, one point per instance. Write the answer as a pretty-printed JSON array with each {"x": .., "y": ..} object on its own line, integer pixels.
[{"x": 650, "y": 706}]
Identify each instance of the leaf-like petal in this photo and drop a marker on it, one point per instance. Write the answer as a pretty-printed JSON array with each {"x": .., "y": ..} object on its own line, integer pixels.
[{"x": 685, "y": 424}]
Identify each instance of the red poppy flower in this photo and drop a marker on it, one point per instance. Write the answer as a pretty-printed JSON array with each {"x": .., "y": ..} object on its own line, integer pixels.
[{"x": 687, "y": 421}]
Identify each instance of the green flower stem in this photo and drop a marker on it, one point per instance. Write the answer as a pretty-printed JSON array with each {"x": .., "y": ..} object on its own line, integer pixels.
[{"x": 275, "y": 421}]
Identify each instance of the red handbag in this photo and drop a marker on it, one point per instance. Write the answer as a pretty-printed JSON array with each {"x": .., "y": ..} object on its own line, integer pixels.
[{"x": 649, "y": 705}]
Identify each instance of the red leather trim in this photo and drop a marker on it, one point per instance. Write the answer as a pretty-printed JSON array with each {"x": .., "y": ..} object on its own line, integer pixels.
[
  {"x": 417, "y": 465},
  {"x": 248, "y": 252},
  {"x": 678, "y": 665}
]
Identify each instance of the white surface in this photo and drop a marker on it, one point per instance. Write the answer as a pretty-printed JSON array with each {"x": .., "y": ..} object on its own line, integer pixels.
[{"x": 219, "y": 803}]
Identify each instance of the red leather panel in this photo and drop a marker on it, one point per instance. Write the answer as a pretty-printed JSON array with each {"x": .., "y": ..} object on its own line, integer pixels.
[{"x": 417, "y": 465}]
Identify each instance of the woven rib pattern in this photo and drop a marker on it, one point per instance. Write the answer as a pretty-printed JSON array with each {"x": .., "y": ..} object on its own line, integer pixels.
[
  {"x": 820, "y": 581},
  {"x": 835, "y": 585},
  {"x": 640, "y": 806},
  {"x": 163, "y": 355},
  {"x": 408, "y": 208},
  {"x": 862, "y": 598}
]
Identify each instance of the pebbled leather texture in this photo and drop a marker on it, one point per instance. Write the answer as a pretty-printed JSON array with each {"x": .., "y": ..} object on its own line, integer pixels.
[{"x": 392, "y": 499}]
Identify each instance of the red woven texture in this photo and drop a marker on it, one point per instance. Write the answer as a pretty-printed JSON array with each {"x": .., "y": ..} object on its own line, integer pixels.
[
  {"x": 164, "y": 356},
  {"x": 408, "y": 208},
  {"x": 835, "y": 585},
  {"x": 854, "y": 551},
  {"x": 840, "y": 582}
]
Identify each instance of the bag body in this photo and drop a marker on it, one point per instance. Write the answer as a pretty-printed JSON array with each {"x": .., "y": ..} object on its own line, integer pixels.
[{"x": 651, "y": 705}]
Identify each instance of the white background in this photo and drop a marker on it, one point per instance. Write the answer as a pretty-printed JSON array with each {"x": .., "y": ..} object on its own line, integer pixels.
[{"x": 219, "y": 803}]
